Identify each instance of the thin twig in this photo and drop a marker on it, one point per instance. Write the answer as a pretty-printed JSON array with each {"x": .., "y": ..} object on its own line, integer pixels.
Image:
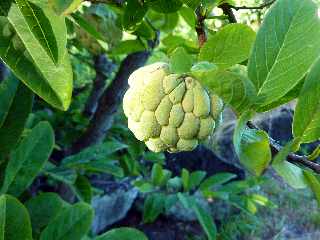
[
  {"x": 267, "y": 4},
  {"x": 226, "y": 8},
  {"x": 118, "y": 3},
  {"x": 292, "y": 157},
  {"x": 200, "y": 26}
]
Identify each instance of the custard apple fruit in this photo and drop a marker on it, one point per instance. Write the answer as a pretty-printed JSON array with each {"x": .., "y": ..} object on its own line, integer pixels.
[{"x": 169, "y": 112}]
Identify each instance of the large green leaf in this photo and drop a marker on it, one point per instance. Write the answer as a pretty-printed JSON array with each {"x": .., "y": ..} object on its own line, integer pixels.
[
  {"x": 33, "y": 45},
  {"x": 42, "y": 209},
  {"x": 306, "y": 123},
  {"x": 123, "y": 233},
  {"x": 181, "y": 61},
  {"x": 287, "y": 44},
  {"x": 234, "y": 88},
  {"x": 28, "y": 159},
  {"x": 133, "y": 14},
  {"x": 15, "y": 118},
  {"x": 14, "y": 220},
  {"x": 249, "y": 142},
  {"x": 71, "y": 224},
  {"x": 313, "y": 182},
  {"x": 229, "y": 46},
  {"x": 292, "y": 174}
]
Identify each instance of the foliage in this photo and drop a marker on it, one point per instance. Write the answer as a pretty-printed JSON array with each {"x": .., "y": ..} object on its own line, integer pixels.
[{"x": 52, "y": 48}]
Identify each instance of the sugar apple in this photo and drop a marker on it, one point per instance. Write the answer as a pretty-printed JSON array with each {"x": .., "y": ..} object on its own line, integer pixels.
[{"x": 169, "y": 112}]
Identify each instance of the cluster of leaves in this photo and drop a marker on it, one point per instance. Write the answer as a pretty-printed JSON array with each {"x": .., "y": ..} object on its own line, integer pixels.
[
  {"x": 251, "y": 72},
  {"x": 165, "y": 192}
]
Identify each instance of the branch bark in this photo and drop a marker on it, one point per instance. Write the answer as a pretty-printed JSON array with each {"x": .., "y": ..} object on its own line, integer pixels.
[
  {"x": 292, "y": 158},
  {"x": 109, "y": 102},
  {"x": 226, "y": 8},
  {"x": 267, "y": 4},
  {"x": 103, "y": 68},
  {"x": 118, "y": 3},
  {"x": 200, "y": 27}
]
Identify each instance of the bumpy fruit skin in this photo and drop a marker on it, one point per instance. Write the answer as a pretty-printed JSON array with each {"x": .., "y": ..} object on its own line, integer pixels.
[{"x": 169, "y": 112}]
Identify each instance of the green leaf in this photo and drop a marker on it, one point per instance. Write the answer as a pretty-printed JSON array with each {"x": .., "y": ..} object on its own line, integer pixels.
[
  {"x": 313, "y": 182},
  {"x": 123, "y": 233},
  {"x": 216, "y": 180},
  {"x": 96, "y": 152},
  {"x": 165, "y": 6},
  {"x": 234, "y": 88},
  {"x": 202, "y": 69},
  {"x": 153, "y": 207},
  {"x": 83, "y": 189},
  {"x": 156, "y": 174},
  {"x": 4, "y": 7},
  {"x": 128, "y": 46},
  {"x": 8, "y": 89},
  {"x": 196, "y": 178},
  {"x": 39, "y": 211},
  {"x": 14, "y": 220},
  {"x": 102, "y": 166},
  {"x": 306, "y": 122},
  {"x": 191, "y": 3},
  {"x": 16, "y": 116},
  {"x": 28, "y": 159},
  {"x": 61, "y": 174},
  {"x": 292, "y": 174},
  {"x": 181, "y": 61},
  {"x": 189, "y": 16},
  {"x": 291, "y": 95},
  {"x": 173, "y": 41},
  {"x": 283, "y": 53},
  {"x": 40, "y": 27},
  {"x": 65, "y": 7},
  {"x": 86, "y": 25},
  {"x": 185, "y": 177},
  {"x": 71, "y": 224},
  {"x": 134, "y": 12},
  {"x": 205, "y": 221},
  {"x": 203, "y": 217},
  {"x": 248, "y": 142},
  {"x": 38, "y": 57},
  {"x": 229, "y": 46},
  {"x": 145, "y": 30}
]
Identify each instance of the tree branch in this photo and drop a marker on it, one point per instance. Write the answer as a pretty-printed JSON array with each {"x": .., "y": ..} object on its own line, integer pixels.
[
  {"x": 292, "y": 158},
  {"x": 226, "y": 8},
  {"x": 103, "y": 68},
  {"x": 118, "y": 3},
  {"x": 267, "y": 4},
  {"x": 200, "y": 27}
]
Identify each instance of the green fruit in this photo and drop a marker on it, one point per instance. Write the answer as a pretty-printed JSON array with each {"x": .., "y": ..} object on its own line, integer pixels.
[{"x": 169, "y": 112}]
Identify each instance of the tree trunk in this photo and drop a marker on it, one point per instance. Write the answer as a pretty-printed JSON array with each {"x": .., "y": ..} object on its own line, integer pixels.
[
  {"x": 110, "y": 102},
  {"x": 103, "y": 68}
]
